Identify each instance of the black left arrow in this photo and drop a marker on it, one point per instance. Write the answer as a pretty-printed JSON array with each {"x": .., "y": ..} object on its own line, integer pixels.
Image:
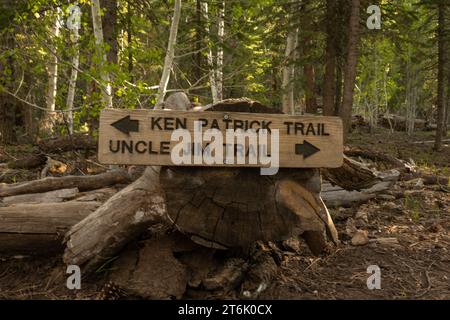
[
  {"x": 306, "y": 149},
  {"x": 126, "y": 125}
]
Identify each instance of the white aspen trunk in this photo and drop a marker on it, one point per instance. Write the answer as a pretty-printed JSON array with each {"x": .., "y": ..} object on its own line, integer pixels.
[
  {"x": 98, "y": 34},
  {"x": 73, "y": 79},
  {"x": 53, "y": 71},
  {"x": 212, "y": 75},
  {"x": 168, "y": 61},
  {"x": 288, "y": 74},
  {"x": 220, "y": 34}
]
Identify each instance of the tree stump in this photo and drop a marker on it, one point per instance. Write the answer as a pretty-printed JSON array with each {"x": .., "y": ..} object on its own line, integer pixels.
[
  {"x": 230, "y": 207},
  {"x": 216, "y": 207}
]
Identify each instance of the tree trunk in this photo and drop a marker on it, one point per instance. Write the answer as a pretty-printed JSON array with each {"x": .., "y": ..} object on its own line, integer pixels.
[
  {"x": 168, "y": 62},
  {"x": 130, "y": 41},
  {"x": 210, "y": 59},
  {"x": 58, "y": 195},
  {"x": 98, "y": 34},
  {"x": 329, "y": 84},
  {"x": 39, "y": 228},
  {"x": 51, "y": 183},
  {"x": 52, "y": 70},
  {"x": 311, "y": 102},
  {"x": 198, "y": 40},
  {"x": 109, "y": 24},
  {"x": 220, "y": 35},
  {"x": 441, "y": 77},
  {"x": 73, "y": 79},
  {"x": 288, "y": 73},
  {"x": 350, "y": 65},
  {"x": 7, "y": 71}
]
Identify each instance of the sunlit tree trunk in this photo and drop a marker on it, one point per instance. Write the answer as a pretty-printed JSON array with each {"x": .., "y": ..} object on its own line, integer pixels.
[
  {"x": 210, "y": 58},
  {"x": 288, "y": 74},
  {"x": 198, "y": 40},
  {"x": 98, "y": 34},
  {"x": 220, "y": 34},
  {"x": 73, "y": 79},
  {"x": 52, "y": 70},
  {"x": 168, "y": 61}
]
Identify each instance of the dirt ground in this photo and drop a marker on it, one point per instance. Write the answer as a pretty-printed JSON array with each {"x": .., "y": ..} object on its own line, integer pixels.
[{"x": 409, "y": 241}]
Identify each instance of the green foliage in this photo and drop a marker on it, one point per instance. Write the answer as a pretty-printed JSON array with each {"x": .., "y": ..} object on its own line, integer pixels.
[{"x": 400, "y": 55}]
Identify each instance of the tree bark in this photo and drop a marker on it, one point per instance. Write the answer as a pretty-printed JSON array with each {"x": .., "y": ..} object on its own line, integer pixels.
[
  {"x": 39, "y": 228},
  {"x": 109, "y": 24},
  {"x": 210, "y": 58},
  {"x": 53, "y": 69},
  {"x": 288, "y": 73},
  {"x": 73, "y": 78},
  {"x": 129, "y": 212},
  {"x": 220, "y": 35},
  {"x": 81, "y": 182},
  {"x": 198, "y": 40},
  {"x": 441, "y": 35},
  {"x": 46, "y": 197},
  {"x": 168, "y": 62},
  {"x": 329, "y": 89},
  {"x": 350, "y": 65},
  {"x": 98, "y": 34},
  {"x": 311, "y": 101},
  {"x": 7, "y": 104}
]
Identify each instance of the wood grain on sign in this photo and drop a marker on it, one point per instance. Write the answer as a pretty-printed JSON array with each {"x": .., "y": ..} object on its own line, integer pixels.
[{"x": 143, "y": 137}]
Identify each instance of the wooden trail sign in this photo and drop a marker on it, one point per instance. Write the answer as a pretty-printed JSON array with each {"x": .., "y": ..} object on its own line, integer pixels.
[{"x": 144, "y": 137}]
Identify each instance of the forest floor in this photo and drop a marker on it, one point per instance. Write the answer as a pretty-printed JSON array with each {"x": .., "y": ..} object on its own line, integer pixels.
[{"x": 409, "y": 239}]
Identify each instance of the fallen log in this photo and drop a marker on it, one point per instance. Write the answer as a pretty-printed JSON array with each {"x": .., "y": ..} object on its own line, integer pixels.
[
  {"x": 428, "y": 179},
  {"x": 40, "y": 228},
  {"x": 120, "y": 219},
  {"x": 68, "y": 143},
  {"x": 400, "y": 123},
  {"x": 30, "y": 162},
  {"x": 375, "y": 156},
  {"x": 83, "y": 183},
  {"x": 337, "y": 197},
  {"x": 45, "y": 197},
  {"x": 353, "y": 175}
]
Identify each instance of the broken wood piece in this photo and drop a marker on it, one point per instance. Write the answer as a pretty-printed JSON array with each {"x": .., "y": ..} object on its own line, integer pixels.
[
  {"x": 125, "y": 215},
  {"x": 353, "y": 175},
  {"x": 335, "y": 197},
  {"x": 45, "y": 197},
  {"x": 83, "y": 183},
  {"x": 100, "y": 195},
  {"x": 39, "y": 228},
  {"x": 150, "y": 271},
  {"x": 376, "y": 157}
]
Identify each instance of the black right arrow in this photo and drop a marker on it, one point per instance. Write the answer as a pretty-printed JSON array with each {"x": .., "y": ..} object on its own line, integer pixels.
[
  {"x": 306, "y": 149},
  {"x": 126, "y": 125}
]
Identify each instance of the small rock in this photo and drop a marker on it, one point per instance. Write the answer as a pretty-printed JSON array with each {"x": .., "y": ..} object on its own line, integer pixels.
[
  {"x": 362, "y": 215},
  {"x": 360, "y": 238},
  {"x": 228, "y": 277},
  {"x": 292, "y": 245},
  {"x": 350, "y": 228}
]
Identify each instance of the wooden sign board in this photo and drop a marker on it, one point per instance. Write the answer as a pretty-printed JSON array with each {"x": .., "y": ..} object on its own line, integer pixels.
[{"x": 144, "y": 137}]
